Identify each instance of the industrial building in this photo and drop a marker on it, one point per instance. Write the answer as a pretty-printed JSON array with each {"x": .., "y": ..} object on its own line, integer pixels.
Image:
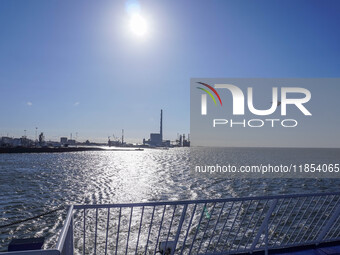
[{"x": 156, "y": 139}]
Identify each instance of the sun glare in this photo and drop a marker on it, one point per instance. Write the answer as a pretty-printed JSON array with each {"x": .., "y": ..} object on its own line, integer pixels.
[{"x": 138, "y": 25}]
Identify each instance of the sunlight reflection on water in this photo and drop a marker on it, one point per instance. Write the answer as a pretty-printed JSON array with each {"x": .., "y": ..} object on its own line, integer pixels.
[{"x": 31, "y": 184}]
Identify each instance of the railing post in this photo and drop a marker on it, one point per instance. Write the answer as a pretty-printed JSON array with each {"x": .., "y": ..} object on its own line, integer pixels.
[
  {"x": 65, "y": 242},
  {"x": 328, "y": 225},
  {"x": 180, "y": 227},
  {"x": 69, "y": 247},
  {"x": 263, "y": 226},
  {"x": 266, "y": 240}
]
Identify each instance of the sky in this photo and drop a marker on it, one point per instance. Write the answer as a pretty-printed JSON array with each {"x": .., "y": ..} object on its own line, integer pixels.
[{"x": 76, "y": 66}]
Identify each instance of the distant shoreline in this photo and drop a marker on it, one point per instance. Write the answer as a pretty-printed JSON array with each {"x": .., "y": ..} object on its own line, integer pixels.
[{"x": 57, "y": 149}]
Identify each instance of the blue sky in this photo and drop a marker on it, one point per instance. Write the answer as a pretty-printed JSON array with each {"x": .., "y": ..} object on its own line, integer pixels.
[{"x": 75, "y": 66}]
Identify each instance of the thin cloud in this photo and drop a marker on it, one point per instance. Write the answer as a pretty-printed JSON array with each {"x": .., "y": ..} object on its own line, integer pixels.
[
  {"x": 29, "y": 103},
  {"x": 76, "y": 103}
]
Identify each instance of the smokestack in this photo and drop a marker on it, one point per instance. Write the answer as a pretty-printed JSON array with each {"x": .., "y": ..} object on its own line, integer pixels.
[{"x": 161, "y": 127}]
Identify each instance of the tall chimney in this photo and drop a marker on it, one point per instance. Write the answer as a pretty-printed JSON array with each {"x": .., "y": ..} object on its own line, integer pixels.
[{"x": 161, "y": 127}]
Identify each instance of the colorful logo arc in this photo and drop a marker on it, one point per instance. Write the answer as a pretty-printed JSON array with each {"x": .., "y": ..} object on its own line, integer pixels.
[{"x": 209, "y": 93}]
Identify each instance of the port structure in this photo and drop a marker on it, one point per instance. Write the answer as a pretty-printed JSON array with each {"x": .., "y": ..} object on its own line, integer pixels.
[{"x": 156, "y": 139}]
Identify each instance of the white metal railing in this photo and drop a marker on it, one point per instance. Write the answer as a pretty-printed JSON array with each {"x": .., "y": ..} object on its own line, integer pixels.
[{"x": 218, "y": 226}]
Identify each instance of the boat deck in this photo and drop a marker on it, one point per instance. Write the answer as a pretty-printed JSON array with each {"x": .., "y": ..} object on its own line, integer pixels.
[
  {"x": 331, "y": 250},
  {"x": 322, "y": 249}
]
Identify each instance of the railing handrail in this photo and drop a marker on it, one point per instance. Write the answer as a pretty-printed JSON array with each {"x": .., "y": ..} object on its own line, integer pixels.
[
  {"x": 62, "y": 236},
  {"x": 186, "y": 202},
  {"x": 260, "y": 227}
]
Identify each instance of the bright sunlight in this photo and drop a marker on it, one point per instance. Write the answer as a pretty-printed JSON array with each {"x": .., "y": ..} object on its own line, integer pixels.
[{"x": 138, "y": 25}]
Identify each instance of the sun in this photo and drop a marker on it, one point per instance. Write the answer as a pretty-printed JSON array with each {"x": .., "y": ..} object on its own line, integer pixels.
[{"x": 138, "y": 25}]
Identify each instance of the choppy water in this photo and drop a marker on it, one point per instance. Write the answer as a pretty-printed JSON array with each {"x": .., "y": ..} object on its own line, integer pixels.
[{"x": 31, "y": 184}]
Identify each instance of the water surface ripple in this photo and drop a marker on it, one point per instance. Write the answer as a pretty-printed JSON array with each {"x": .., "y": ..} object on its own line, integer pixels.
[{"x": 32, "y": 184}]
